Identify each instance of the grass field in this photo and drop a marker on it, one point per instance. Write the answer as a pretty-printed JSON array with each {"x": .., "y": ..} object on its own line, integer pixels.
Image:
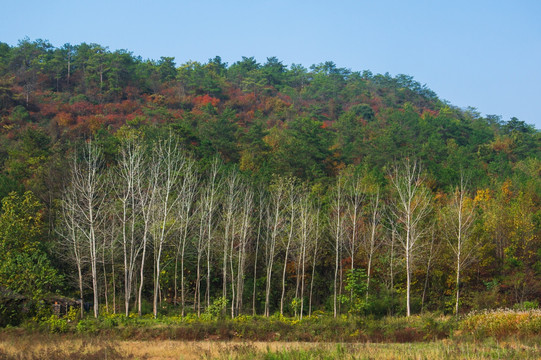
[
  {"x": 497, "y": 334},
  {"x": 55, "y": 346}
]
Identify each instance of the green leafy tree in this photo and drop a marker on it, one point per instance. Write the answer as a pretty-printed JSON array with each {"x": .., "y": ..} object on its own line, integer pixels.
[
  {"x": 24, "y": 266},
  {"x": 356, "y": 285}
]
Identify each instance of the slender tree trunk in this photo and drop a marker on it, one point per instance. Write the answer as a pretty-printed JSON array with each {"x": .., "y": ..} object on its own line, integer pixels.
[
  {"x": 337, "y": 244},
  {"x": 391, "y": 266},
  {"x": 292, "y": 205},
  {"x": 408, "y": 275},
  {"x": 316, "y": 239},
  {"x": 175, "y": 302},
  {"x": 372, "y": 245},
  {"x": 231, "y": 255},
  {"x": 182, "y": 299},
  {"x": 94, "y": 267},
  {"x": 284, "y": 277},
  {"x": 105, "y": 287},
  {"x": 127, "y": 282},
  {"x": 255, "y": 255},
  {"x": 200, "y": 247},
  {"x": 411, "y": 206},
  {"x": 81, "y": 294},
  {"x": 457, "y": 283},
  {"x": 142, "y": 277},
  {"x": 113, "y": 278},
  {"x": 428, "y": 265},
  {"x": 302, "y": 277}
]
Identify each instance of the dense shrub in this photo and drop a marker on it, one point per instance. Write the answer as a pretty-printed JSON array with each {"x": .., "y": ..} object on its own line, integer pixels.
[{"x": 502, "y": 323}]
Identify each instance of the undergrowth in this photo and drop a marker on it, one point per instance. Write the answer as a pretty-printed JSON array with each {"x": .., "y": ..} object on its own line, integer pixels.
[{"x": 321, "y": 327}]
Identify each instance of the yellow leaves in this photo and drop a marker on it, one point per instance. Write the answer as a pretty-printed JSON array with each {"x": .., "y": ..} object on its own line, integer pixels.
[
  {"x": 247, "y": 161},
  {"x": 440, "y": 197},
  {"x": 94, "y": 123},
  {"x": 506, "y": 189},
  {"x": 273, "y": 138},
  {"x": 503, "y": 322},
  {"x": 157, "y": 99},
  {"x": 482, "y": 195},
  {"x": 469, "y": 202},
  {"x": 504, "y": 144}
]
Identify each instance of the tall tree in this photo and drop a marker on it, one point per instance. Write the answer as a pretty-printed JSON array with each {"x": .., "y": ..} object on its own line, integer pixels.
[
  {"x": 171, "y": 163},
  {"x": 371, "y": 240},
  {"x": 24, "y": 266},
  {"x": 292, "y": 199},
  {"x": 186, "y": 215},
  {"x": 87, "y": 180},
  {"x": 130, "y": 172},
  {"x": 459, "y": 217},
  {"x": 409, "y": 208},
  {"x": 337, "y": 222},
  {"x": 70, "y": 237},
  {"x": 278, "y": 197}
]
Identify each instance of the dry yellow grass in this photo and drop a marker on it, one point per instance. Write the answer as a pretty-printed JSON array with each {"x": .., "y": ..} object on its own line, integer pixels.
[{"x": 51, "y": 347}]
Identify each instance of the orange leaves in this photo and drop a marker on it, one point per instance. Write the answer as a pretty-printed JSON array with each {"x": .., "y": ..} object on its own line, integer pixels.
[
  {"x": 202, "y": 100},
  {"x": 64, "y": 119},
  {"x": 94, "y": 122},
  {"x": 502, "y": 144}
]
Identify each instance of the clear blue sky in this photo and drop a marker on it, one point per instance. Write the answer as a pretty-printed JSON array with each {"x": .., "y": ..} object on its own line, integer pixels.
[{"x": 480, "y": 53}]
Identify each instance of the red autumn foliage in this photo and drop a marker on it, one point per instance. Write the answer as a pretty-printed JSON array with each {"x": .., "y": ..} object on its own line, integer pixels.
[
  {"x": 64, "y": 119},
  {"x": 202, "y": 100}
]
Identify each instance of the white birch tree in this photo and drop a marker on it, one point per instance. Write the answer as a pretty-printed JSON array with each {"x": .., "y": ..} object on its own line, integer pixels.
[
  {"x": 409, "y": 208},
  {"x": 89, "y": 195},
  {"x": 459, "y": 217},
  {"x": 171, "y": 163}
]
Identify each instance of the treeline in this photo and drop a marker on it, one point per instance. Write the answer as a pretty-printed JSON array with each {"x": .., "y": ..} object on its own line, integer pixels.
[
  {"x": 277, "y": 188},
  {"x": 157, "y": 225}
]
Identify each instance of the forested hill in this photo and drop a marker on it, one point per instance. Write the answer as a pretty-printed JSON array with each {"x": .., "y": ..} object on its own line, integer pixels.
[{"x": 271, "y": 120}]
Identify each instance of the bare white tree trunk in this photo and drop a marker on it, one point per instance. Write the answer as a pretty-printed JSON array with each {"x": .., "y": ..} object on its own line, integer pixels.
[
  {"x": 103, "y": 262},
  {"x": 187, "y": 196},
  {"x": 211, "y": 203},
  {"x": 200, "y": 247},
  {"x": 208, "y": 204},
  {"x": 87, "y": 182},
  {"x": 247, "y": 208},
  {"x": 230, "y": 208},
  {"x": 410, "y": 208},
  {"x": 314, "y": 257},
  {"x": 306, "y": 230},
  {"x": 355, "y": 196},
  {"x": 130, "y": 171},
  {"x": 459, "y": 217},
  {"x": 337, "y": 219},
  {"x": 260, "y": 210},
  {"x": 277, "y": 197},
  {"x": 146, "y": 189},
  {"x": 292, "y": 212},
  {"x": 113, "y": 276},
  {"x": 71, "y": 236},
  {"x": 371, "y": 243},
  {"x": 171, "y": 163}
]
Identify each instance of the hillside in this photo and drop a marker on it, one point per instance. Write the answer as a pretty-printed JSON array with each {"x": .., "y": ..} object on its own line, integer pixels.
[{"x": 279, "y": 125}]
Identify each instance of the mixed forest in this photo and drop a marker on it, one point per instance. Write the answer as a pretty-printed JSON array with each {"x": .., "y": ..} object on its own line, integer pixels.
[{"x": 150, "y": 187}]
